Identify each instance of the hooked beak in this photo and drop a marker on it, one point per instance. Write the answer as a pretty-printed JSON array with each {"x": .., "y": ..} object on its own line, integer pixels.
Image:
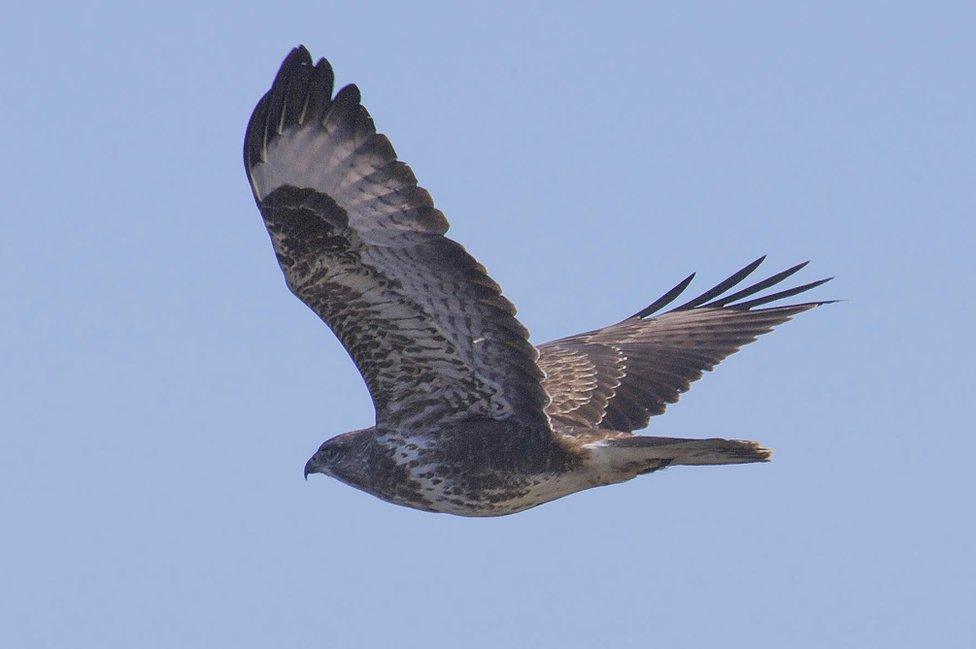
[{"x": 309, "y": 466}]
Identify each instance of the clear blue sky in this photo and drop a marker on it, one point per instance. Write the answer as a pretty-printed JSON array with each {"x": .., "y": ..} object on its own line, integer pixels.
[{"x": 161, "y": 390}]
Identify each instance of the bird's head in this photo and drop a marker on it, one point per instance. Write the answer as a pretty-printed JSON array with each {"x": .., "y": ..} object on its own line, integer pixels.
[{"x": 343, "y": 457}]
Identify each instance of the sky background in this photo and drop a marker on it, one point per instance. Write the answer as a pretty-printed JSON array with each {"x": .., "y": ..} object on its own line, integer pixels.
[{"x": 160, "y": 389}]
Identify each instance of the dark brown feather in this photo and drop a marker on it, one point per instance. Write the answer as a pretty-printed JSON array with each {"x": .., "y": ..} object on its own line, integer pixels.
[
  {"x": 623, "y": 374},
  {"x": 361, "y": 244}
]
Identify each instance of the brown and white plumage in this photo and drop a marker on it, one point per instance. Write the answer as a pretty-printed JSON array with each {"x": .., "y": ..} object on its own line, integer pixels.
[
  {"x": 362, "y": 245},
  {"x": 618, "y": 377},
  {"x": 470, "y": 418}
]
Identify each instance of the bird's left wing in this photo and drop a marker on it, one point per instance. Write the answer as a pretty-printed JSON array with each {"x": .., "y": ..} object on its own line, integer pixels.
[
  {"x": 362, "y": 245},
  {"x": 617, "y": 377}
]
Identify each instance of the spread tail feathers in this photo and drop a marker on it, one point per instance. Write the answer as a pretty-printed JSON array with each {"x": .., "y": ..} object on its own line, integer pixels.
[{"x": 690, "y": 452}]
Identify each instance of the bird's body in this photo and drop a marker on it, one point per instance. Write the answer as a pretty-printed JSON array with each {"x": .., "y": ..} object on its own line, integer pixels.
[
  {"x": 488, "y": 468},
  {"x": 475, "y": 468},
  {"x": 471, "y": 419}
]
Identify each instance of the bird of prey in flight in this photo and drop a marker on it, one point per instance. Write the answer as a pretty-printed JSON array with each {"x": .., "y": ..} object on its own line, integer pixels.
[{"x": 471, "y": 419}]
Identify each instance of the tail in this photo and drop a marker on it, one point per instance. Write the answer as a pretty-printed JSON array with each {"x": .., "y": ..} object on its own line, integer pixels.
[{"x": 645, "y": 454}]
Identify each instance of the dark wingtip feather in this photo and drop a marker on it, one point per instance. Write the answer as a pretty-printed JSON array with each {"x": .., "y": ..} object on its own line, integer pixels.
[
  {"x": 711, "y": 298},
  {"x": 758, "y": 286},
  {"x": 319, "y": 92},
  {"x": 348, "y": 94},
  {"x": 766, "y": 299},
  {"x": 722, "y": 286},
  {"x": 297, "y": 58},
  {"x": 299, "y": 54},
  {"x": 665, "y": 299},
  {"x": 270, "y": 107},
  {"x": 795, "y": 308},
  {"x": 300, "y": 91}
]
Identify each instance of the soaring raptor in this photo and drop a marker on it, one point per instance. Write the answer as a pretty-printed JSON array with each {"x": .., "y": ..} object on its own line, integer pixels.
[{"x": 471, "y": 419}]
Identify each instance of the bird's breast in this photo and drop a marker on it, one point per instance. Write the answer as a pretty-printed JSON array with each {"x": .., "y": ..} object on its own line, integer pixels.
[{"x": 468, "y": 476}]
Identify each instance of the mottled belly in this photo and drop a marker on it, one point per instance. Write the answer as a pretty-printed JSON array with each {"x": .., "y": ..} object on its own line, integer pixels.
[
  {"x": 474, "y": 471},
  {"x": 491, "y": 494}
]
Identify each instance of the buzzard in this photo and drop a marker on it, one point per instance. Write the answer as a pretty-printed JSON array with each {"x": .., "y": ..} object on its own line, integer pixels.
[{"x": 471, "y": 419}]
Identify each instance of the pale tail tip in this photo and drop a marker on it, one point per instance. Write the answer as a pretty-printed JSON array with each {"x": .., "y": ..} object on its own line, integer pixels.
[
  {"x": 755, "y": 451},
  {"x": 764, "y": 454}
]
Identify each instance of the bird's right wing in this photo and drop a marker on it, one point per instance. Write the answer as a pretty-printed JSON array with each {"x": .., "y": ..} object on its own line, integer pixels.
[
  {"x": 362, "y": 245},
  {"x": 617, "y": 377}
]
